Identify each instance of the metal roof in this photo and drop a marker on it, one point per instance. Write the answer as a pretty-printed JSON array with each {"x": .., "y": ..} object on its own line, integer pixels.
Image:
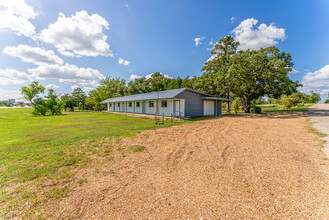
[
  {"x": 216, "y": 98},
  {"x": 167, "y": 94}
]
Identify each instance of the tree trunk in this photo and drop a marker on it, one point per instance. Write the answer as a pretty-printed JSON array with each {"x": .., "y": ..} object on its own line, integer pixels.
[
  {"x": 228, "y": 102},
  {"x": 246, "y": 106}
]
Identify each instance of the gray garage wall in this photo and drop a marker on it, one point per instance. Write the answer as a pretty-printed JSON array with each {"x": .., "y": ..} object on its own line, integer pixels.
[
  {"x": 193, "y": 103},
  {"x": 219, "y": 107}
]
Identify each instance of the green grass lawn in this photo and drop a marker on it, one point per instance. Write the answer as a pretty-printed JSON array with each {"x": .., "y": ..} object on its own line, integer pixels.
[
  {"x": 38, "y": 149},
  {"x": 279, "y": 108},
  {"x": 36, "y": 146}
]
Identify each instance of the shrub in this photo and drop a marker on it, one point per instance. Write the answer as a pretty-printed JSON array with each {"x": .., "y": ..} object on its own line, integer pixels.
[
  {"x": 39, "y": 108},
  {"x": 237, "y": 104},
  {"x": 256, "y": 109},
  {"x": 286, "y": 101},
  {"x": 326, "y": 102}
]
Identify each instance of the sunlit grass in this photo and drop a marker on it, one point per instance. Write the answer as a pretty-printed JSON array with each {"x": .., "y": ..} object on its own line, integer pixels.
[{"x": 37, "y": 149}]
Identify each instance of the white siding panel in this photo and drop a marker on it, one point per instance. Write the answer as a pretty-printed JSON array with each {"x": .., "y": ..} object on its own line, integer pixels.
[
  {"x": 167, "y": 111},
  {"x": 150, "y": 110}
]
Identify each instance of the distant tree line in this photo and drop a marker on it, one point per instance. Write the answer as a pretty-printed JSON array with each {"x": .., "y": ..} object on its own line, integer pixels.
[{"x": 245, "y": 77}]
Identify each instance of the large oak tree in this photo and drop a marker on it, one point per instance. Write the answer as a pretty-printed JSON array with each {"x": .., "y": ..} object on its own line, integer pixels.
[{"x": 253, "y": 74}]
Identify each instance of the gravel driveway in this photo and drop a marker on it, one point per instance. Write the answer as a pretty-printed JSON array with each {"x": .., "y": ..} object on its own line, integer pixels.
[
  {"x": 319, "y": 115},
  {"x": 252, "y": 167}
]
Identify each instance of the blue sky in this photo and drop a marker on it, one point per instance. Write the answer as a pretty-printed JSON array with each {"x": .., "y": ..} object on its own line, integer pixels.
[{"x": 66, "y": 44}]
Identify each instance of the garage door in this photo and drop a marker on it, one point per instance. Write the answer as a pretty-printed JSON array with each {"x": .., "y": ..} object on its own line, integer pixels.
[{"x": 208, "y": 107}]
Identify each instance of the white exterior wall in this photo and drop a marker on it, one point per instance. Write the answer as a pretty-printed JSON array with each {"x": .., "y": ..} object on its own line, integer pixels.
[
  {"x": 130, "y": 109},
  {"x": 124, "y": 107},
  {"x": 149, "y": 110},
  {"x": 166, "y": 111}
]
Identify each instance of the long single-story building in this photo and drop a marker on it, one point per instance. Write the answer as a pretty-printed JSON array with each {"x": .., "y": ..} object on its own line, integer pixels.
[{"x": 176, "y": 102}]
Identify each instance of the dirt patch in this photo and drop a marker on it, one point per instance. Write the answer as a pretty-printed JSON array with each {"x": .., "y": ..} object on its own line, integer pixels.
[{"x": 231, "y": 167}]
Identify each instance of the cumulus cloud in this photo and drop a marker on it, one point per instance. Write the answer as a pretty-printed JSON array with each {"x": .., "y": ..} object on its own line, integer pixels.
[
  {"x": 67, "y": 73},
  {"x": 252, "y": 37},
  {"x": 294, "y": 71},
  {"x": 134, "y": 76},
  {"x": 86, "y": 89},
  {"x": 317, "y": 81},
  {"x": 197, "y": 40},
  {"x": 73, "y": 87},
  {"x": 12, "y": 76},
  {"x": 78, "y": 35},
  {"x": 52, "y": 86},
  {"x": 16, "y": 16},
  {"x": 33, "y": 55},
  {"x": 123, "y": 62}
]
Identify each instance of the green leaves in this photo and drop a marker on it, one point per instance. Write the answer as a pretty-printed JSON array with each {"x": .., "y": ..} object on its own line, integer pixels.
[
  {"x": 32, "y": 92},
  {"x": 247, "y": 74}
]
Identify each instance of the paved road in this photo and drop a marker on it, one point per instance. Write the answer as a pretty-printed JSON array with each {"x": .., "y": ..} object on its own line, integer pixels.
[{"x": 319, "y": 115}]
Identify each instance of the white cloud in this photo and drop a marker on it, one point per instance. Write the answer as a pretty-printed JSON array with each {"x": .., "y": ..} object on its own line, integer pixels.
[
  {"x": 78, "y": 35},
  {"x": 197, "y": 40},
  {"x": 73, "y": 87},
  {"x": 123, "y": 62},
  {"x": 52, "y": 86},
  {"x": 165, "y": 75},
  {"x": 233, "y": 19},
  {"x": 254, "y": 38},
  {"x": 134, "y": 76},
  {"x": 67, "y": 73},
  {"x": 33, "y": 55},
  {"x": 317, "y": 81},
  {"x": 12, "y": 76},
  {"x": 86, "y": 89},
  {"x": 294, "y": 71},
  {"x": 211, "y": 57},
  {"x": 211, "y": 43},
  {"x": 15, "y": 15}
]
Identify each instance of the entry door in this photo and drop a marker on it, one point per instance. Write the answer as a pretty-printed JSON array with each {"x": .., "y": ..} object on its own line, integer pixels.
[
  {"x": 208, "y": 107},
  {"x": 177, "y": 107}
]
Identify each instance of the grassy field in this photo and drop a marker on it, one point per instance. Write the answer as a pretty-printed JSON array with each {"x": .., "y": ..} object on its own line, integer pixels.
[
  {"x": 279, "y": 108},
  {"x": 35, "y": 149}
]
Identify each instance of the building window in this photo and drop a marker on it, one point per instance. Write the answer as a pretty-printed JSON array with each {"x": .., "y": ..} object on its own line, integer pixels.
[
  {"x": 119, "y": 105},
  {"x": 164, "y": 104},
  {"x": 137, "y": 104},
  {"x": 130, "y": 104},
  {"x": 151, "y": 104},
  {"x": 110, "y": 105}
]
